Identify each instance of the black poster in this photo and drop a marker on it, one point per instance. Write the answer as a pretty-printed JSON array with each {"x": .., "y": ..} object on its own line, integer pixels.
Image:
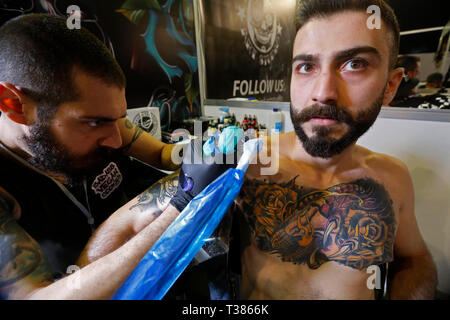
[{"x": 248, "y": 48}]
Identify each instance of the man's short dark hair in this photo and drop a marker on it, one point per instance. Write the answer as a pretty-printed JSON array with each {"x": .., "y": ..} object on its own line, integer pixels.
[
  {"x": 436, "y": 78},
  {"x": 39, "y": 52},
  {"x": 409, "y": 63},
  {"x": 309, "y": 9}
]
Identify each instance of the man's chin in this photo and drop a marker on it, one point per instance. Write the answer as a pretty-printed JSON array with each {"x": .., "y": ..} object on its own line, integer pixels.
[{"x": 323, "y": 143}]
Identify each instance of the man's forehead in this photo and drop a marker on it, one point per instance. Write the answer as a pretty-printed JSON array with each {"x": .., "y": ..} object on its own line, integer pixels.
[
  {"x": 97, "y": 96},
  {"x": 83, "y": 110},
  {"x": 329, "y": 35},
  {"x": 97, "y": 101}
]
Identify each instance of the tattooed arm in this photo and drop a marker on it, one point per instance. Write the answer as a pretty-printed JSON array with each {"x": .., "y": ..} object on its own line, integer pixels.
[
  {"x": 23, "y": 266},
  {"x": 24, "y": 272},
  {"x": 413, "y": 273},
  {"x": 130, "y": 219},
  {"x": 146, "y": 207},
  {"x": 143, "y": 146}
]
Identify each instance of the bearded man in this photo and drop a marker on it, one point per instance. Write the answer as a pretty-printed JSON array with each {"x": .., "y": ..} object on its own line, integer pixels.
[
  {"x": 64, "y": 149},
  {"x": 334, "y": 212}
]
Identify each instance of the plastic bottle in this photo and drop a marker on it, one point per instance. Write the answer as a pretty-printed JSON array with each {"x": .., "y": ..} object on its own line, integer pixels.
[
  {"x": 212, "y": 128},
  {"x": 225, "y": 113},
  {"x": 276, "y": 121},
  {"x": 245, "y": 121},
  {"x": 233, "y": 120}
]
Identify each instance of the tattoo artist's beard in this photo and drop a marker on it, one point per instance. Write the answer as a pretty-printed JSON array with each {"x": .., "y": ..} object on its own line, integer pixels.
[
  {"x": 320, "y": 144},
  {"x": 50, "y": 155}
]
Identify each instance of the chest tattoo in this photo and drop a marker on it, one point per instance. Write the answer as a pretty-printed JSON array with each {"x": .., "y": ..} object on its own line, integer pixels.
[{"x": 350, "y": 223}]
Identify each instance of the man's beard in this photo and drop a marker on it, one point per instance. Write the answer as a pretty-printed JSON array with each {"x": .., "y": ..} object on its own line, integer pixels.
[
  {"x": 49, "y": 155},
  {"x": 320, "y": 145}
]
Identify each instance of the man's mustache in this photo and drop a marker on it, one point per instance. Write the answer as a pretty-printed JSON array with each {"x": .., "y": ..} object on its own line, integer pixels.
[{"x": 324, "y": 111}]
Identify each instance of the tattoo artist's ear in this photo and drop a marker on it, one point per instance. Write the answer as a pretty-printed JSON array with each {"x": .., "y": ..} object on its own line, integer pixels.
[
  {"x": 12, "y": 104},
  {"x": 395, "y": 78}
]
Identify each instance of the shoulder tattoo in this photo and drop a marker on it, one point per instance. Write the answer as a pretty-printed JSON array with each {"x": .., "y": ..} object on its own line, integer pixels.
[
  {"x": 136, "y": 134},
  {"x": 20, "y": 255}
]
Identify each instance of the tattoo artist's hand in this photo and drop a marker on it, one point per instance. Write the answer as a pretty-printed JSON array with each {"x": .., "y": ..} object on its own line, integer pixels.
[{"x": 199, "y": 168}]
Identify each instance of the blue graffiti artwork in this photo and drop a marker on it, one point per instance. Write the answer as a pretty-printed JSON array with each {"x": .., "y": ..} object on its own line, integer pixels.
[
  {"x": 183, "y": 37},
  {"x": 169, "y": 39}
]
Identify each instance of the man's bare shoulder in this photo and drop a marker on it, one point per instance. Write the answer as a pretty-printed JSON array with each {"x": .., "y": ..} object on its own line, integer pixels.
[
  {"x": 386, "y": 168},
  {"x": 383, "y": 162}
]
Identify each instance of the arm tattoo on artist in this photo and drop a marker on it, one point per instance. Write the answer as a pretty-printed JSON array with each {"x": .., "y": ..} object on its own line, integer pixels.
[
  {"x": 350, "y": 223},
  {"x": 21, "y": 258},
  {"x": 137, "y": 133},
  {"x": 157, "y": 197}
]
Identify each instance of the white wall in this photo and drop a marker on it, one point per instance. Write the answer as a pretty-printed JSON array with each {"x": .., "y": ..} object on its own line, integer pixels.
[{"x": 425, "y": 148}]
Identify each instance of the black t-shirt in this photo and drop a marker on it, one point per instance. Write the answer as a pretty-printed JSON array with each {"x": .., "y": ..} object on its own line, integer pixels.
[{"x": 55, "y": 221}]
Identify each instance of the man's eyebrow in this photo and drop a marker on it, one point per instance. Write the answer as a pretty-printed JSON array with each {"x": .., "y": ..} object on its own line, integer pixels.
[
  {"x": 344, "y": 54},
  {"x": 105, "y": 119},
  {"x": 305, "y": 57},
  {"x": 349, "y": 53}
]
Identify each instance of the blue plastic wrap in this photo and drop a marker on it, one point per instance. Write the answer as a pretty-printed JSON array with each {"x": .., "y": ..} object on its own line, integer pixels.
[{"x": 171, "y": 254}]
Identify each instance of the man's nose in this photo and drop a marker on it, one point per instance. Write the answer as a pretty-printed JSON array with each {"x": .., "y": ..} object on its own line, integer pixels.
[
  {"x": 325, "y": 89},
  {"x": 113, "y": 137}
]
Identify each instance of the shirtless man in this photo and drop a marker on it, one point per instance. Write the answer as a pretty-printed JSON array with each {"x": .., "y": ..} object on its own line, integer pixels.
[{"x": 333, "y": 208}]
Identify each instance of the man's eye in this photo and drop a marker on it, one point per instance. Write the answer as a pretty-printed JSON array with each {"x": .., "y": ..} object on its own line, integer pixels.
[
  {"x": 305, "y": 68},
  {"x": 355, "y": 65}
]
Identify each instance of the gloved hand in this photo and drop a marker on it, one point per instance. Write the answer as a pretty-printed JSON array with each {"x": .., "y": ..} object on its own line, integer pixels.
[{"x": 199, "y": 168}]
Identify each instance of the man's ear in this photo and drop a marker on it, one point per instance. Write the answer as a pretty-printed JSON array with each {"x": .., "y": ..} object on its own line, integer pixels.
[
  {"x": 395, "y": 78},
  {"x": 11, "y": 103}
]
